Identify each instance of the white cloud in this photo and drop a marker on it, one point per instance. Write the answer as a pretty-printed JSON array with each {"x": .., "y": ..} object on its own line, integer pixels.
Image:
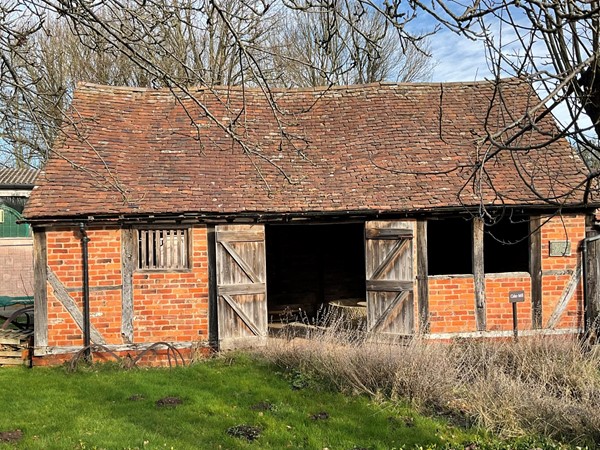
[
  {"x": 458, "y": 58},
  {"x": 461, "y": 59}
]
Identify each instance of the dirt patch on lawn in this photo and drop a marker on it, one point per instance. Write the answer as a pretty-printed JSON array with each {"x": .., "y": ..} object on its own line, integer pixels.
[
  {"x": 11, "y": 436},
  {"x": 169, "y": 402},
  {"x": 263, "y": 406},
  {"x": 323, "y": 415}
]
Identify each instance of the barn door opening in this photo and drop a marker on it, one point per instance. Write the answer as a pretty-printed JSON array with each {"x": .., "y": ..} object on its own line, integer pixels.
[
  {"x": 390, "y": 281},
  {"x": 311, "y": 266},
  {"x": 241, "y": 285}
]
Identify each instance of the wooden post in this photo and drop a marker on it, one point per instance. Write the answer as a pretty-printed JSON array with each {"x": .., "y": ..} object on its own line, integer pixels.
[
  {"x": 515, "y": 322},
  {"x": 422, "y": 276},
  {"x": 593, "y": 288},
  {"x": 213, "y": 330},
  {"x": 535, "y": 270},
  {"x": 479, "y": 273},
  {"x": 128, "y": 261},
  {"x": 40, "y": 302},
  {"x": 592, "y": 280}
]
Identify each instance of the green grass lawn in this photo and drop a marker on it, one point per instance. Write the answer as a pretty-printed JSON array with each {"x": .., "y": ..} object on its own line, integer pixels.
[{"x": 104, "y": 407}]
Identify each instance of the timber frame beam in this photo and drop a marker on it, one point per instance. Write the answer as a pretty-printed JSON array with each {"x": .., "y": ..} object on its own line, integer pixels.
[
  {"x": 128, "y": 242},
  {"x": 535, "y": 270},
  {"x": 479, "y": 274},
  {"x": 422, "y": 277},
  {"x": 40, "y": 295}
]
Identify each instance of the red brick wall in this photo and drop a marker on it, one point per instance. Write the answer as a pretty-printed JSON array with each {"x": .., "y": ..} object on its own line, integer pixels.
[
  {"x": 64, "y": 259},
  {"x": 499, "y": 310},
  {"x": 173, "y": 306},
  {"x": 562, "y": 228},
  {"x": 451, "y": 304},
  {"x": 452, "y": 298},
  {"x": 168, "y": 306}
]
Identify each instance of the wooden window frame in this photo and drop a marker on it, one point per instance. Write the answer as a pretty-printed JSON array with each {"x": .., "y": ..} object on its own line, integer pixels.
[{"x": 168, "y": 261}]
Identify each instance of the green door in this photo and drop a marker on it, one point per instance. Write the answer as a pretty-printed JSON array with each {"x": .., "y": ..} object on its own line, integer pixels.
[{"x": 9, "y": 226}]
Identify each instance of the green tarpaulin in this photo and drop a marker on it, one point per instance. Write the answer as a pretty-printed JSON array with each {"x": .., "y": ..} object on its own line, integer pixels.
[{"x": 9, "y": 301}]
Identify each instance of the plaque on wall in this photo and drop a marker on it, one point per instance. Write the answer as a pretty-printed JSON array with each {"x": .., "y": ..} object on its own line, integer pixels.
[{"x": 560, "y": 248}]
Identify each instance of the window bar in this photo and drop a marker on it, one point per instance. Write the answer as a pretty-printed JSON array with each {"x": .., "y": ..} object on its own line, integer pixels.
[
  {"x": 172, "y": 248},
  {"x": 160, "y": 253},
  {"x": 157, "y": 249},
  {"x": 175, "y": 248},
  {"x": 153, "y": 252},
  {"x": 182, "y": 248},
  {"x": 143, "y": 249}
]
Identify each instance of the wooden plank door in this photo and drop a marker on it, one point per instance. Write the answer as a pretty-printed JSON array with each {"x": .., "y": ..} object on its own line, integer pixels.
[
  {"x": 241, "y": 285},
  {"x": 390, "y": 281}
]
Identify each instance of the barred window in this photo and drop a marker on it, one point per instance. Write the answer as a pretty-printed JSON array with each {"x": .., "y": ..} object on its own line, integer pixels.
[{"x": 163, "y": 249}]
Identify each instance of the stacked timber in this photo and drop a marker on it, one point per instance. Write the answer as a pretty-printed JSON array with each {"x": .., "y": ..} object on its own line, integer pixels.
[{"x": 14, "y": 347}]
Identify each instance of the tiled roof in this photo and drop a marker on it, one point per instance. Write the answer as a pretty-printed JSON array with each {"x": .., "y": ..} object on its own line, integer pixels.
[
  {"x": 379, "y": 147},
  {"x": 18, "y": 177}
]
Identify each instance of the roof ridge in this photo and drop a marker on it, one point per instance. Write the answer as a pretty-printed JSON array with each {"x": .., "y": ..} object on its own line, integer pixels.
[{"x": 85, "y": 85}]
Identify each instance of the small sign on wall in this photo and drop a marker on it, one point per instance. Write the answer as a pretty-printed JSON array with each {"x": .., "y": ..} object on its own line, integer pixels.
[
  {"x": 516, "y": 296},
  {"x": 560, "y": 248}
]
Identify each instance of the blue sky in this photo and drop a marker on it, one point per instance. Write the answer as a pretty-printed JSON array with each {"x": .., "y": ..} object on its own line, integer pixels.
[{"x": 457, "y": 58}]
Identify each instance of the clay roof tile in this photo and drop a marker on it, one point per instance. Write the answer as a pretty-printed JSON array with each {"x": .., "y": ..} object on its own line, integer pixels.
[{"x": 381, "y": 147}]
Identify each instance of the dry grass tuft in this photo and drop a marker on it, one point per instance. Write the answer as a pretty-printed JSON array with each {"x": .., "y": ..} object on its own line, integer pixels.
[{"x": 547, "y": 386}]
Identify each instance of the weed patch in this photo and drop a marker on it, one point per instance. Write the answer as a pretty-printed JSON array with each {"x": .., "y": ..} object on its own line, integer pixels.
[{"x": 248, "y": 432}]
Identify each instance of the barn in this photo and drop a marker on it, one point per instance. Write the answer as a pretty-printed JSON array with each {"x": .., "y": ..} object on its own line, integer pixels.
[{"x": 200, "y": 217}]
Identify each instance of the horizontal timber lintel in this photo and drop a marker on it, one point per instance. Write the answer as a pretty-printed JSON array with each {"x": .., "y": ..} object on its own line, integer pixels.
[
  {"x": 503, "y": 333},
  {"x": 49, "y": 350}
]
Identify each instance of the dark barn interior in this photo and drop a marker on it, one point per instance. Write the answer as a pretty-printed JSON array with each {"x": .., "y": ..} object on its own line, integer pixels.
[
  {"x": 311, "y": 265},
  {"x": 506, "y": 245},
  {"x": 450, "y": 245}
]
